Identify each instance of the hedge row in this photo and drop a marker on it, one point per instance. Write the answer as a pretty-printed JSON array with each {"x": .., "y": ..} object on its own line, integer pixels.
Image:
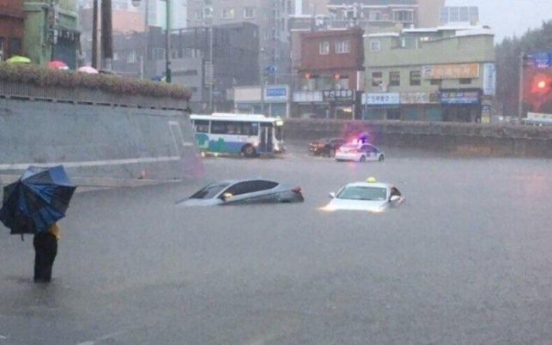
[{"x": 47, "y": 77}]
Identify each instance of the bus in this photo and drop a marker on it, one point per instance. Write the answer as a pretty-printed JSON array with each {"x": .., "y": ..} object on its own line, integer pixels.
[{"x": 249, "y": 135}]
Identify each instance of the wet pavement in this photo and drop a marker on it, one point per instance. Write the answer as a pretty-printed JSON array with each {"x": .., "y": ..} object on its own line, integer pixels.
[{"x": 466, "y": 260}]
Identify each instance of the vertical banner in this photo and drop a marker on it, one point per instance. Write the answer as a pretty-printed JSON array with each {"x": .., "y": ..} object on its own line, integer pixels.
[{"x": 489, "y": 79}]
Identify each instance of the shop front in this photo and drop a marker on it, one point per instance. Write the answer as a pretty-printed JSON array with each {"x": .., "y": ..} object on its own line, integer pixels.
[
  {"x": 461, "y": 105},
  {"x": 381, "y": 106},
  {"x": 272, "y": 100},
  {"x": 420, "y": 106}
]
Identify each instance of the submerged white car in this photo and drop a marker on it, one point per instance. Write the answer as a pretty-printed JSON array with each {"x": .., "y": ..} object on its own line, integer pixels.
[
  {"x": 369, "y": 196},
  {"x": 360, "y": 152}
]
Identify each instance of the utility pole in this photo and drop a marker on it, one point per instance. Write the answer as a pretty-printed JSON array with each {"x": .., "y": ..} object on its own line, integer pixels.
[
  {"x": 520, "y": 96},
  {"x": 95, "y": 34},
  {"x": 107, "y": 36},
  {"x": 168, "y": 76}
]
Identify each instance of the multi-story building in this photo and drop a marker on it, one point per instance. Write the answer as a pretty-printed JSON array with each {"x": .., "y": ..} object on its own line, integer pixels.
[
  {"x": 330, "y": 74},
  {"x": 372, "y": 14},
  {"x": 270, "y": 16},
  {"x": 441, "y": 74},
  {"x": 51, "y": 31},
  {"x": 428, "y": 13},
  {"x": 234, "y": 60},
  {"x": 11, "y": 28}
]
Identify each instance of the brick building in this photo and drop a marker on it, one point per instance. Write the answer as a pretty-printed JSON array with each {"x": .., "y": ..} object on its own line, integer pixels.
[
  {"x": 330, "y": 74},
  {"x": 12, "y": 18}
]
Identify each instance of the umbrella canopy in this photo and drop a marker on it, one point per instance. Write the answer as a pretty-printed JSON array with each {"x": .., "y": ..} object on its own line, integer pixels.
[
  {"x": 88, "y": 69},
  {"x": 56, "y": 64},
  {"x": 18, "y": 59},
  {"x": 37, "y": 200}
]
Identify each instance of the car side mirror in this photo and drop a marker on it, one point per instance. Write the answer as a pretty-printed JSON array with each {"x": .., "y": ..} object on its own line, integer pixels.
[
  {"x": 226, "y": 196},
  {"x": 332, "y": 195}
]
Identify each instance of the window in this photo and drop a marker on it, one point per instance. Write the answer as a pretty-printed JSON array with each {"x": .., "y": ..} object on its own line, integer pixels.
[
  {"x": 375, "y": 45},
  {"x": 394, "y": 78},
  {"x": 437, "y": 82},
  {"x": 403, "y": 16},
  {"x": 115, "y": 56},
  {"x": 465, "y": 81},
  {"x": 201, "y": 126},
  {"x": 15, "y": 46},
  {"x": 343, "y": 47},
  {"x": 375, "y": 16},
  {"x": 415, "y": 78},
  {"x": 198, "y": 14},
  {"x": 249, "y": 12},
  {"x": 234, "y": 128},
  {"x": 239, "y": 188},
  {"x": 324, "y": 48},
  {"x": 131, "y": 57},
  {"x": 228, "y": 13},
  {"x": 1, "y": 48},
  {"x": 377, "y": 78}
]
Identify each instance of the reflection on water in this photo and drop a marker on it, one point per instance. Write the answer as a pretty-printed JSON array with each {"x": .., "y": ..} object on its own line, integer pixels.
[{"x": 466, "y": 260}]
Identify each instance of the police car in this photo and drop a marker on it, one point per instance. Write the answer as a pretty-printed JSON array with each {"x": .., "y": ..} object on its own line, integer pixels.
[{"x": 359, "y": 152}]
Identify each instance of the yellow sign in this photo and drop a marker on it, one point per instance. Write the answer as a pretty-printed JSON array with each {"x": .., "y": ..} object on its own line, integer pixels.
[{"x": 451, "y": 71}]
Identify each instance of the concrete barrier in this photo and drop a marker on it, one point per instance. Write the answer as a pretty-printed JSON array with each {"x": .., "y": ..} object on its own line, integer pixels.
[
  {"x": 472, "y": 139},
  {"x": 98, "y": 145}
]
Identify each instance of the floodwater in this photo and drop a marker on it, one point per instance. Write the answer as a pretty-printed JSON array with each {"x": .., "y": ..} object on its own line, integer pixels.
[{"x": 466, "y": 260}]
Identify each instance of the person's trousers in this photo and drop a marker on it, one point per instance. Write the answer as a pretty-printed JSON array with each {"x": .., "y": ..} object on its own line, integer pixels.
[{"x": 45, "y": 245}]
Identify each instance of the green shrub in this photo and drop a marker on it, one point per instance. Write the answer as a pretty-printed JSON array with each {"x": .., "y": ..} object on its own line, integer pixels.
[{"x": 45, "y": 77}]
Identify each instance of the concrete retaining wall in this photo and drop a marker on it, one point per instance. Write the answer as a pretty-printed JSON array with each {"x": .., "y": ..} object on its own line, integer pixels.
[
  {"x": 98, "y": 145},
  {"x": 455, "y": 138}
]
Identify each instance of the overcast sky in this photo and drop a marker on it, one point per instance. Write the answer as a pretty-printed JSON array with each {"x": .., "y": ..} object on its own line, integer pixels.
[{"x": 509, "y": 18}]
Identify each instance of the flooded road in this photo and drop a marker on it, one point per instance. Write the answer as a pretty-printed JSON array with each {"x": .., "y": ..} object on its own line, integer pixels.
[{"x": 466, "y": 260}]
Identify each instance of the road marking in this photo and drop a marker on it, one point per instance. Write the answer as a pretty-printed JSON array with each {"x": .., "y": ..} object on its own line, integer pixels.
[{"x": 22, "y": 166}]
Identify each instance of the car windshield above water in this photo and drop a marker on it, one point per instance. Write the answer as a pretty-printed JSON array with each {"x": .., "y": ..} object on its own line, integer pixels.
[
  {"x": 363, "y": 193},
  {"x": 209, "y": 191}
]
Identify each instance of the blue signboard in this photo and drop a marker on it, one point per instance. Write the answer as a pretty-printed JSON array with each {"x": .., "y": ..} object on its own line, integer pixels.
[
  {"x": 459, "y": 97},
  {"x": 542, "y": 60},
  {"x": 276, "y": 93}
]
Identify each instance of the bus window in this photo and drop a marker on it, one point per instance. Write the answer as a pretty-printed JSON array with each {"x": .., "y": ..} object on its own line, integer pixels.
[
  {"x": 249, "y": 128},
  {"x": 219, "y": 127},
  {"x": 201, "y": 126}
]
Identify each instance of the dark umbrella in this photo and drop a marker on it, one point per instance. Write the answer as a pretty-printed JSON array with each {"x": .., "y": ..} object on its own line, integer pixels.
[{"x": 37, "y": 200}]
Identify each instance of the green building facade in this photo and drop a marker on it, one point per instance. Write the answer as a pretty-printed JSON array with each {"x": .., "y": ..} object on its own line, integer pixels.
[
  {"x": 51, "y": 31},
  {"x": 440, "y": 74}
]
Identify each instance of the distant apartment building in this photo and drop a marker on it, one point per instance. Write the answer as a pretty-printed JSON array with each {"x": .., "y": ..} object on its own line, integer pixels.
[
  {"x": 271, "y": 16},
  {"x": 428, "y": 13},
  {"x": 12, "y": 26},
  {"x": 331, "y": 74},
  {"x": 371, "y": 14},
  {"x": 235, "y": 60},
  {"x": 455, "y": 15},
  {"x": 440, "y": 74}
]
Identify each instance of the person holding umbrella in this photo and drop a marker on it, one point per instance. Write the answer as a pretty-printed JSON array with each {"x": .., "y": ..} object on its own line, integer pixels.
[
  {"x": 45, "y": 244},
  {"x": 33, "y": 205}
]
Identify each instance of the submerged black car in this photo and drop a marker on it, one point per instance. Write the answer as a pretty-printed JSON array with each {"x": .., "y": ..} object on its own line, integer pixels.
[
  {"x": 326, "y": 146},
  {"x": 235, "y": 192}
]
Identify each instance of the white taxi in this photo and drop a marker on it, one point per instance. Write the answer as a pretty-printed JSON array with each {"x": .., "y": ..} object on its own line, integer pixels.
[{"x": 369, "y": 196}]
